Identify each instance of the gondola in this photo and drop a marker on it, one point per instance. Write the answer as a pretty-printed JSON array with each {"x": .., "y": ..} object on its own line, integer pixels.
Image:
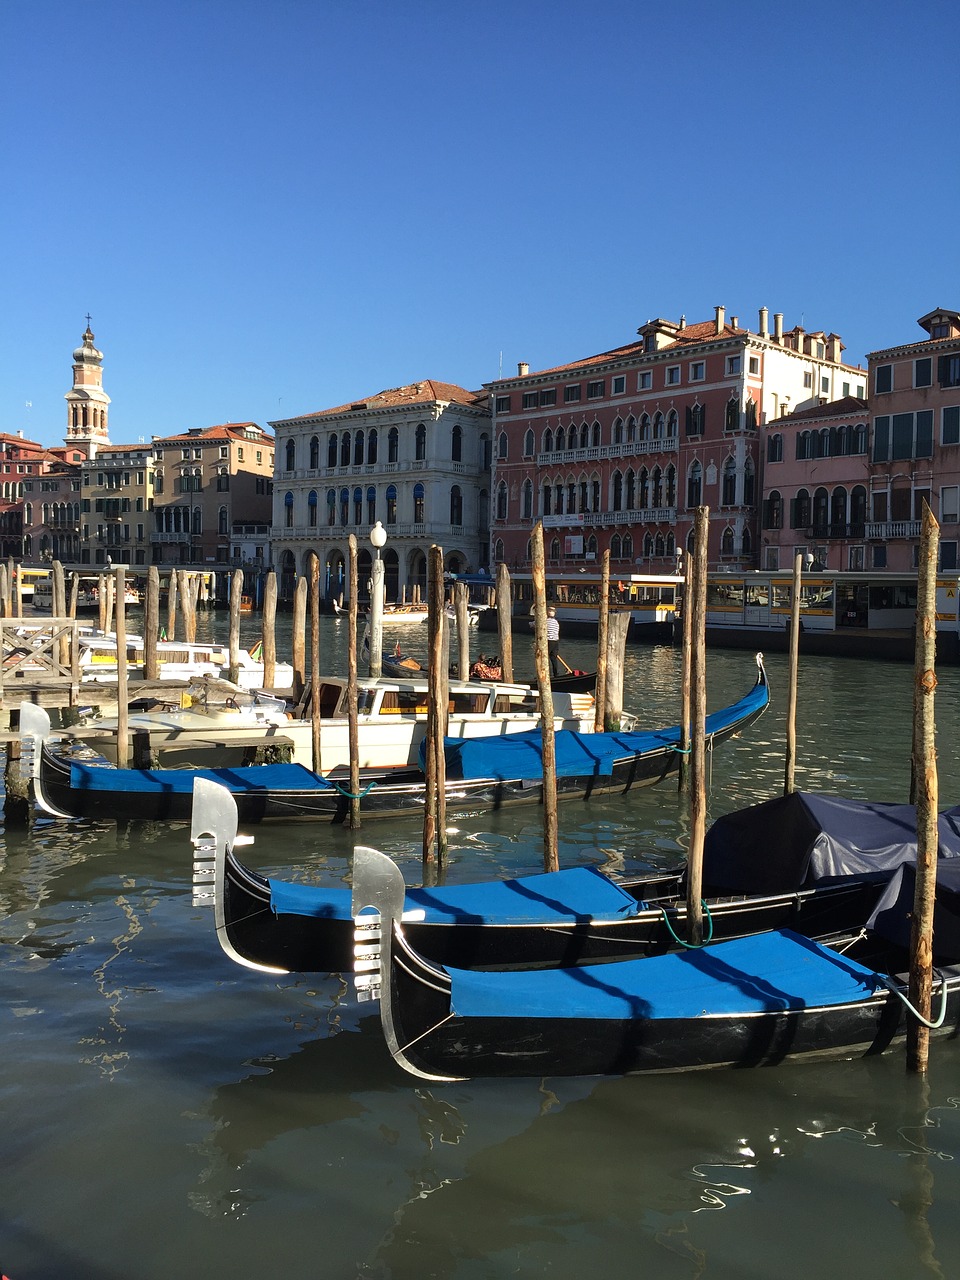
[
  {"x": 822, "y": 861},
  {"x": 507, "y": 773},
  {"x": 751, "y": 1001},
  {"x": 402, "y": 665}
]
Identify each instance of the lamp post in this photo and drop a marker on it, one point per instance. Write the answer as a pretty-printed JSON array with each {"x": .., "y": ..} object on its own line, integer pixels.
[{"x": 378, "y": 538}]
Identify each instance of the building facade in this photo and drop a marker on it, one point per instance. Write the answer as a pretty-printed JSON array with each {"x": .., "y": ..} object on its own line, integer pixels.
[
  {"x": 416, "y": 458},
  {"x": 815, "y": 487},
  {"x": 915, "y": 446},
  {"x": 618, "y": 450}
]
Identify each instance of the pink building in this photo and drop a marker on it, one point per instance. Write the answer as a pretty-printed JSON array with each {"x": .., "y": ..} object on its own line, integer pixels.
[
  {"x": 815, "y": 485},
  {"x": 618, "y": 449},
  {"x": 915, "y": 448}
]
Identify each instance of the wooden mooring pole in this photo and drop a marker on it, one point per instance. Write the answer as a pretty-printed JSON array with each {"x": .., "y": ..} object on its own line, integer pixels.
[
  {"x": 697, "y": 597},
  {"x": 505, "y": 621},
  {"x": 603, "y": 629},
  {"x": 927, "y": 791},
  {"x": 353, "y": 718},
  {"x": 299, "y": 641},
  {"x": 123, "y": 699},
  {"x": 686, "y": 654},
  {"x": 315, "y": 659},
  {"x": 551, "y": 832},
  {"x": 236, "y": 595},
  {"x": 151, "y": 625},
  {"x": 790, "y": 762},
  {"x": 462, "y": 611},
  {"x": 268, "y": 630},
  {"x": 435, "y": 809},
  {"x": 172, "y": 605}
]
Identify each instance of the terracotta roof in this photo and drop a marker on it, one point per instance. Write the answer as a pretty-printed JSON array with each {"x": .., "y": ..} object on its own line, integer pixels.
[
  {"x": 425, "y": 392},
  {"x": 123, "y": 448},
  {"x": 689, "y": 335},
  {"x": 845, "y": 407},
  {"x": 226, "y": 431}
]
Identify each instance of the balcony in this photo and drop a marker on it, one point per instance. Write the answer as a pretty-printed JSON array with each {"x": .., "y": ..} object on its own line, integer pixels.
[
  {"x": 890, "y": 530},
  {"x": 170, "y": 539},
  {"x": 645, "y": 515},
  {"x": 594, "y": 453},
  {"x": 824, "y": 532}
]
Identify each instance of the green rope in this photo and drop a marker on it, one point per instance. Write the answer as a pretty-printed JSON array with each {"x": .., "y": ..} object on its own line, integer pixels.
[
  {"x": 916, "y": 1013},
  {"x": 691, "y": 945},
  {"x": 349, "y": 794}
]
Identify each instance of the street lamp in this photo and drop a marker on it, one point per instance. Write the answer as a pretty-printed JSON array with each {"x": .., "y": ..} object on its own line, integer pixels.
[{"x": 378, "y": 538}]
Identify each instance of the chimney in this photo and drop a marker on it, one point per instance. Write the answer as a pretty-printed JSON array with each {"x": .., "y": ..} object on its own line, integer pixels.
[
  {"x": 778, "y": 327},
  {"x": 522, "y": 369},
  {"x": 801, "y": 339},
  {"x": 683, "y": 322},
  {"x": 764, "y": 316},
  {"x": 721, "y": 312},
  {"x": 735, "y": 322}
]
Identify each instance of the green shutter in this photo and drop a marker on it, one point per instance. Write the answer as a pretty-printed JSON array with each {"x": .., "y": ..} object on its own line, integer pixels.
[
  {"x": 924, "y": 434},
  {"x": 951, "y": 424},
  {"x": 881, "y": 439}
]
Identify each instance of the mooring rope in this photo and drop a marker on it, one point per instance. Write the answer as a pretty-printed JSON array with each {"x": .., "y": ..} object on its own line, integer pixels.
[
  {"x": 693, "y": 946},
  {"x": 939, "y": 1021},
  {"x": 349, "y": 794}
]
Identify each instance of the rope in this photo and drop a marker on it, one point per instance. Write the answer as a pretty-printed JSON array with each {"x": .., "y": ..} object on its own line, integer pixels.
[
  {"x": 933, "y": 1026},
  {"x": 349, "y": 794},
  {"x": 693, "y": 946}
]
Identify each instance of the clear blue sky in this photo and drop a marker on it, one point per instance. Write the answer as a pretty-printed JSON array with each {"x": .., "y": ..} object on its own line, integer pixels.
[{"x": 272, "y": 208}]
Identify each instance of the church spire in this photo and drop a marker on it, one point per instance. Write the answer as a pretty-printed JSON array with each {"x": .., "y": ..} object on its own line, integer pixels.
[{"x": 87, "y": 401}]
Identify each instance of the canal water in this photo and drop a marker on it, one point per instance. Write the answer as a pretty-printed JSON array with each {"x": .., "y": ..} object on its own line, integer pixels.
[{"x": 167, "y": 1113}]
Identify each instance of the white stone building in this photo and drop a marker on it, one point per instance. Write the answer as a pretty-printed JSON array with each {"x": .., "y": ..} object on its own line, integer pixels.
[{"x": 417, "y": 458}]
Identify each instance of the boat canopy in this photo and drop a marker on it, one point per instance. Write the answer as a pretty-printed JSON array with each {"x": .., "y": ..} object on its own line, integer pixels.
[{"x": 805, "y": 839}]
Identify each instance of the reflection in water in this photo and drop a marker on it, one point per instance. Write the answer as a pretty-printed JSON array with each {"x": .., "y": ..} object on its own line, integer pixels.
[{"x": 255, "y": 1124}]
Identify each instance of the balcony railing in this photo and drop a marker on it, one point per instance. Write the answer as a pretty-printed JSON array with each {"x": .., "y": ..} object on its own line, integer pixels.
[
  {"x": 593, "y": 453},
  {"x": 823, "y": 532},
  {"x": 888, "y": 530}
]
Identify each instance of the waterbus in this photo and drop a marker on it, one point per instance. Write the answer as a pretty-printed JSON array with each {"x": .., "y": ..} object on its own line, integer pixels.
[{"x": 650, "y": 599}]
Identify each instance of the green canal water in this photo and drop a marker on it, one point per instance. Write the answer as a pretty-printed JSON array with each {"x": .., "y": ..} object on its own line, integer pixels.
[{"x": 166, "y": 1113}]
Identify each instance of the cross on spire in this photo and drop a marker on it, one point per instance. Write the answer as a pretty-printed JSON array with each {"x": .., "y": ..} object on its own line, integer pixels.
[{"x": 88, "y": 319}]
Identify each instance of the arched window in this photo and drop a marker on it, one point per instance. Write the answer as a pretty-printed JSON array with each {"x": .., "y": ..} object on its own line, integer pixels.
[
  {"x": 694, "y": 485},
  {"x": 419, "y": 494},
  {"x": 371, "y": 505},
  {"x": 617, "y": 491},
  {"x": 775, "y": 447},
  {"x": 750, "y": 415},
  {"x": 627, "y": 548},
  {"x": 726, "y": 542},
  {"x": 502, "y": 452},
  {"x": 800, "y": 516},
  {"x": 393, "y": 445},
  {"x": 358, "y": 448},
  {"x": 595, "y": 495},
  {"x": 658, "y": 546},
  {"x": 615, "y": 552},
  {"x": 656, "y": 488},
  {"x": 838, "y": 512},
  {"x": 630, "y": 491},
  {"x": 643, "y": 490},
  {"x": 456, "y": 443},
  {"x": 560, "y": 442},
  {"x": 312, "y": 508},
  {"x": 291, "y": 453},
  {"x": 749, "y": 485},
  {"x": 527, "y": 508},
  {"x": 332, "y": 451},
  {"x": 288, "y": 510},
  {"x": 592, "y": 547},
  {"x": 858, "y": 510},
  {"x": 731, "y": 417},
  {"x": 595, "y": 434},
  {"x": 824, "y": 443},
  {"x": 820, "y": 508},
  {"x": 345, "y": 505},
  {"x": 548, "y": 441},
  {"x": 528, "y": 444},
  {"x": 222, "y": 526},
  {"x": 644, "y": 426},
  {"x": 331, "y": 507},
  {"x": 546, "y": 500},
  {"x": 618, "y": 430},
  {"x": 860, "y": 439},
  {"x": 746, "y": 542},
  {"x": 728, "y": 494},
  {"x": 371, "y": 447},
  {"x": 584, "y": 437},
  {"x": 498, "y": 551},
  {"x": 648, "y": 545},
  {"x": 571, "y": 496},
  {"x": 502, "y": 499},
  {"x": 773, "y": 510},
  {"x": 658, "y": 426},
  {"x": 696, "y": 417},
  {"x": 392, "y": 504},
  {"x": 345, "y": 449},
  {"x": 314, "y": 452},
  {"x": 671, "y": 486},
  {"x": 631, "y": 429},
  {"x": 555, "y": 549},
  {"x": 673, "y": 429},
  {"x": 358, "y": 505},
  {"x": 421, "y": 442}
]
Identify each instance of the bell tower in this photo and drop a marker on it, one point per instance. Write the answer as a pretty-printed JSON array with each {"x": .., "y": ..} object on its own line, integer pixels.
[{"x": 87, "y": 401}]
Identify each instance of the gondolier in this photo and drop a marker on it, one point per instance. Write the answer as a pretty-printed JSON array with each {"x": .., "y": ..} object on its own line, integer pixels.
[{"x": 553, "y": 641}]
